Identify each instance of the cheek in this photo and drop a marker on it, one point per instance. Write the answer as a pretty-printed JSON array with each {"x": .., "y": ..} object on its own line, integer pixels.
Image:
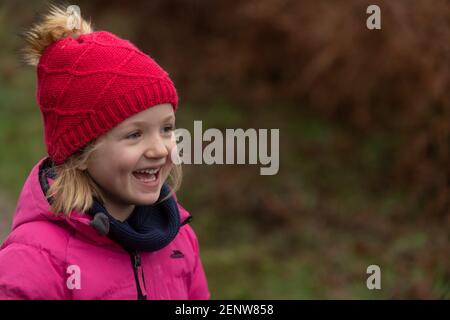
[
  {"x": 168, "y": 165},
  {"x": 166, "y": 172},
  {"x": 172, "y": 149},
  {"x": 104, "y": 174},
  {"x": 111, "y": 170}
]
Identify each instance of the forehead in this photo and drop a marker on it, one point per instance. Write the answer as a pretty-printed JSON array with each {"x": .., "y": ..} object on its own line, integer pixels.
[{"x": 155, "y": 114}]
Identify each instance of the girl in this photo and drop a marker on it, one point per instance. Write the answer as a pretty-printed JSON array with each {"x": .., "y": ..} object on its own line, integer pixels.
[{"x": 98, "y": 218}]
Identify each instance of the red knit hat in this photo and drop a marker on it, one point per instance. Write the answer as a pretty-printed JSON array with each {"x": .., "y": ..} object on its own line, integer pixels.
[{"x": 89, "y": 84}]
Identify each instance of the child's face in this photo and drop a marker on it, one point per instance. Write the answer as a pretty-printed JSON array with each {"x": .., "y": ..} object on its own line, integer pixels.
[{"x": 142, "y": 141}]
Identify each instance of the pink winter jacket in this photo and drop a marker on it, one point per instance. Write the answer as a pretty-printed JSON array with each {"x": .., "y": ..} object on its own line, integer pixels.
[{"x": 42, "y": 254}]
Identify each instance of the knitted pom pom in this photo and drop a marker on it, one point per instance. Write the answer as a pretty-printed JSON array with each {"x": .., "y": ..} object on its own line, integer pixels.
[{"x": 58, "y": 23}]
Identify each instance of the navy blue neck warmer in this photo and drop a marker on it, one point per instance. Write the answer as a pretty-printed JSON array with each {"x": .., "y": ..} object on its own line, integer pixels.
[{"x": 149, "y": 227}]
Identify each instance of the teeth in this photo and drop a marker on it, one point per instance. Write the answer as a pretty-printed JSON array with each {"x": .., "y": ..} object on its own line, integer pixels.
[{"x": 149, "y": 171}]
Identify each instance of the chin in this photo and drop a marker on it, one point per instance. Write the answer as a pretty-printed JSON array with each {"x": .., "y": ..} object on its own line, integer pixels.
[{"x": 150, "y": 199}]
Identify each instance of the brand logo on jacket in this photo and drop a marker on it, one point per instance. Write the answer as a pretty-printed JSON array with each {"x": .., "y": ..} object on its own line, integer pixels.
[{"x": 176, "y": 254}]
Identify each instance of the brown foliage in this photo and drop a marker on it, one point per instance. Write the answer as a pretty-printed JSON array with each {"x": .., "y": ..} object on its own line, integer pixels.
[{"x": 318, "y": 55}]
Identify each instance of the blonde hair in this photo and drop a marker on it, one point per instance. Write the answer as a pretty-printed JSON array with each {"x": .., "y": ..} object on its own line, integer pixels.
[{"x": 74, "y": 188}]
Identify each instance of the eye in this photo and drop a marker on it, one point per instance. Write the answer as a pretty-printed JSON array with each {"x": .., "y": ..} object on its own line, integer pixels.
[
  {"x": 168, "y": 128},
  {"x": 134, "y": 135}
]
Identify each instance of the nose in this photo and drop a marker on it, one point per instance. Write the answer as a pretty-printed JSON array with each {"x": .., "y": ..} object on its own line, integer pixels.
[{"x": 156, "y": 149}]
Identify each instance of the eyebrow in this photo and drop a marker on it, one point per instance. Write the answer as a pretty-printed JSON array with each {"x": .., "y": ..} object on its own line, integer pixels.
[{"x": 144, "y": 123}]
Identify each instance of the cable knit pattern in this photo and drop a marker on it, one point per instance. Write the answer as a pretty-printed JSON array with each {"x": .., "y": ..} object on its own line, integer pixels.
[{"x": 88, "y": 85}]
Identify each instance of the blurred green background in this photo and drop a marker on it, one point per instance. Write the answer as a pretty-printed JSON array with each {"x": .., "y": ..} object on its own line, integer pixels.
[{"x": 364, "y": 119}]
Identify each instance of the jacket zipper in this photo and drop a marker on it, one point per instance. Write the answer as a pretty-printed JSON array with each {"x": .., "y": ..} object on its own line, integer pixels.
[{"x": 138, "y": 275}]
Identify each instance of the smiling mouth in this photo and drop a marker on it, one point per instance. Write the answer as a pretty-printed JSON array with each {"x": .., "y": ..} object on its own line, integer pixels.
[{"x": 147, "y": 175}]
